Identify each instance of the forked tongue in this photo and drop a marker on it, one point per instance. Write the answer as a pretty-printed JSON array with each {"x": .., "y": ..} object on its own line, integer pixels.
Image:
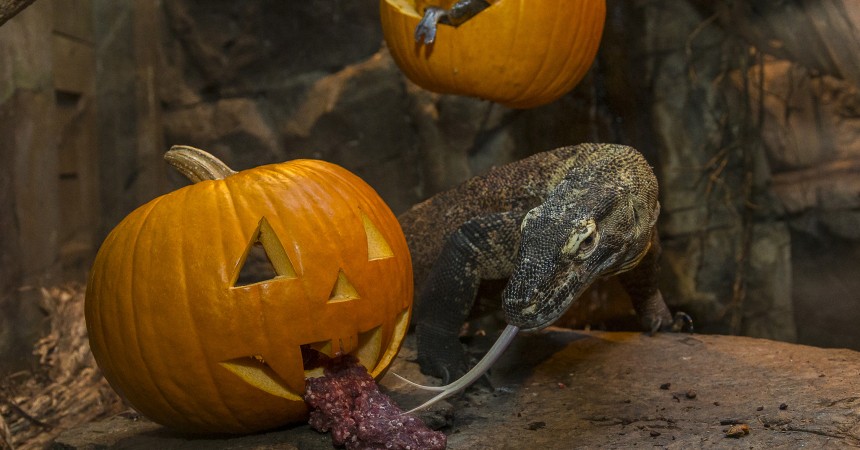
[{"x": 471, "y": 376}]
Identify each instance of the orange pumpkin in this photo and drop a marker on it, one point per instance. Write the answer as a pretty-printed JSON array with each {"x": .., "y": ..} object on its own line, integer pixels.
[
  {"x": 520, "y": 53},
  {"x": 194, "y": 347}
]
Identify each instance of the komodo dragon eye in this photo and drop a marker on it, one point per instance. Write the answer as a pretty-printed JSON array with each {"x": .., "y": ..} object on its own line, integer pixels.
[
  {"x": 587, "y": 243},
  {"x": 583, "y": 239}
]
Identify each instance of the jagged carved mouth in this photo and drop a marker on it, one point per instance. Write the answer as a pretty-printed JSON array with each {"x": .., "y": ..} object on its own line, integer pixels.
[{"x": 255, "y": 371}]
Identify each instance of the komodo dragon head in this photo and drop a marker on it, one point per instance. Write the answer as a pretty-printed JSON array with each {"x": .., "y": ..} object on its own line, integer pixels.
[{"x": 598, "y": 221}]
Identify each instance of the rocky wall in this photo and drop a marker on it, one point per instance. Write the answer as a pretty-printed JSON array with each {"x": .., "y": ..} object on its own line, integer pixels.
[
  {"x": 810, "y": 129},
  {"x": 28, "y": 195}
]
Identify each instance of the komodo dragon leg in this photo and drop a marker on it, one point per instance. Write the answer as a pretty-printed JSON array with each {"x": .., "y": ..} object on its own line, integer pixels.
[
  {"x": 640, "y": 283},
  {"x": 482, "y": 248}
]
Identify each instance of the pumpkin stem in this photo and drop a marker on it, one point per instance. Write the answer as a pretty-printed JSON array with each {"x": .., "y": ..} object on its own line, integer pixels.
[{"x": 197, "y": 165}]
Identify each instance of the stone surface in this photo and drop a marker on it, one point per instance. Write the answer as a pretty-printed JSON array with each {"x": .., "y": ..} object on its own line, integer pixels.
[{"x": 562, "y": 389}]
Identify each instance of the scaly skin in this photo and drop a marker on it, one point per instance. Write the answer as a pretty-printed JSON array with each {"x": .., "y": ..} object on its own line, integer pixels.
[
  {"x": 551, "y": 224},
  {"x": 458, "y": 13}
]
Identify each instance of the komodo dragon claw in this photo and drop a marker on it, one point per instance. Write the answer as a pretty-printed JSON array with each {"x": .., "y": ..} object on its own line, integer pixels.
[
  {"x": 682, "y": 322},
  {"x": 459, "y": 13}
]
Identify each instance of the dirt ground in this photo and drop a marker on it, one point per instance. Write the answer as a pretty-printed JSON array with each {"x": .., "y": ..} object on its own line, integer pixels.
[{"x": 562, "y": 389}]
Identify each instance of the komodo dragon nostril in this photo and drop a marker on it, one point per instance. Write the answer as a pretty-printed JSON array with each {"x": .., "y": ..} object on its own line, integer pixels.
[{"x": 531, "y": 309}]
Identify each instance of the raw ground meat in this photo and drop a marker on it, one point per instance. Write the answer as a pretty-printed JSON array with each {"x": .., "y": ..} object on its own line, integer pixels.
[{"x": 347, "y": 402}]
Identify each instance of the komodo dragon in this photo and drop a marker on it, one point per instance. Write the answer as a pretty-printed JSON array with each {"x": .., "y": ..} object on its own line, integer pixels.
[{"x": 552, "y": 224}]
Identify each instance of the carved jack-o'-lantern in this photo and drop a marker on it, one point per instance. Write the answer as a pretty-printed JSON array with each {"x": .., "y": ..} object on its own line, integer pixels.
[
  {"x": 179, "y": 330},
  {"x": 520, "y": 53}
]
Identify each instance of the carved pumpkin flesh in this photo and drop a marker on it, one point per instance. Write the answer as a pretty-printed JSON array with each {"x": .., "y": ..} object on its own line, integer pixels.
[{"x": 193, "y": 345}]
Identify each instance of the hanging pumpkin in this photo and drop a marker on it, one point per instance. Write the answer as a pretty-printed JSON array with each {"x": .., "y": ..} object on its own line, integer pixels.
[
  {"x": 520, "y": 53},
  {"x": 192, "y": 344}
]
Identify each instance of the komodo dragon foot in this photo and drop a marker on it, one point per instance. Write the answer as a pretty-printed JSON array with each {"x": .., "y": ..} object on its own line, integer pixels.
[{"x": 462, "y": 11}]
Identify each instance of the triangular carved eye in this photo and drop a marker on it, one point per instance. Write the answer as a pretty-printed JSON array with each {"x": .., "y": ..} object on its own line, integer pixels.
[
  {"x": 377, "y": 246},
  {"x": 343, "y": 290},
  {"x": 265, "y": 258}
]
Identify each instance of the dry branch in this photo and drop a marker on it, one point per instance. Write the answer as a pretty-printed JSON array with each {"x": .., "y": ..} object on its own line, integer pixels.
[{"x": 8, "y": 9}]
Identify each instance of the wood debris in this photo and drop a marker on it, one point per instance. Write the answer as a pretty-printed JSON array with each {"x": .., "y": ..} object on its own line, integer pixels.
[{"x": 67, "y": 388}]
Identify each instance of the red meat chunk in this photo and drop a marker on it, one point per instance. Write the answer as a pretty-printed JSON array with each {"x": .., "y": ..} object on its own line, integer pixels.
[{"x": 347, "y": 402}]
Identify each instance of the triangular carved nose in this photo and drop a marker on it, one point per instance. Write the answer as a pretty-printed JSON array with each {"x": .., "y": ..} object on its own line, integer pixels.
[
  {"x": 343, "y": 290},
  {"x": 264, "y": 259}
]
